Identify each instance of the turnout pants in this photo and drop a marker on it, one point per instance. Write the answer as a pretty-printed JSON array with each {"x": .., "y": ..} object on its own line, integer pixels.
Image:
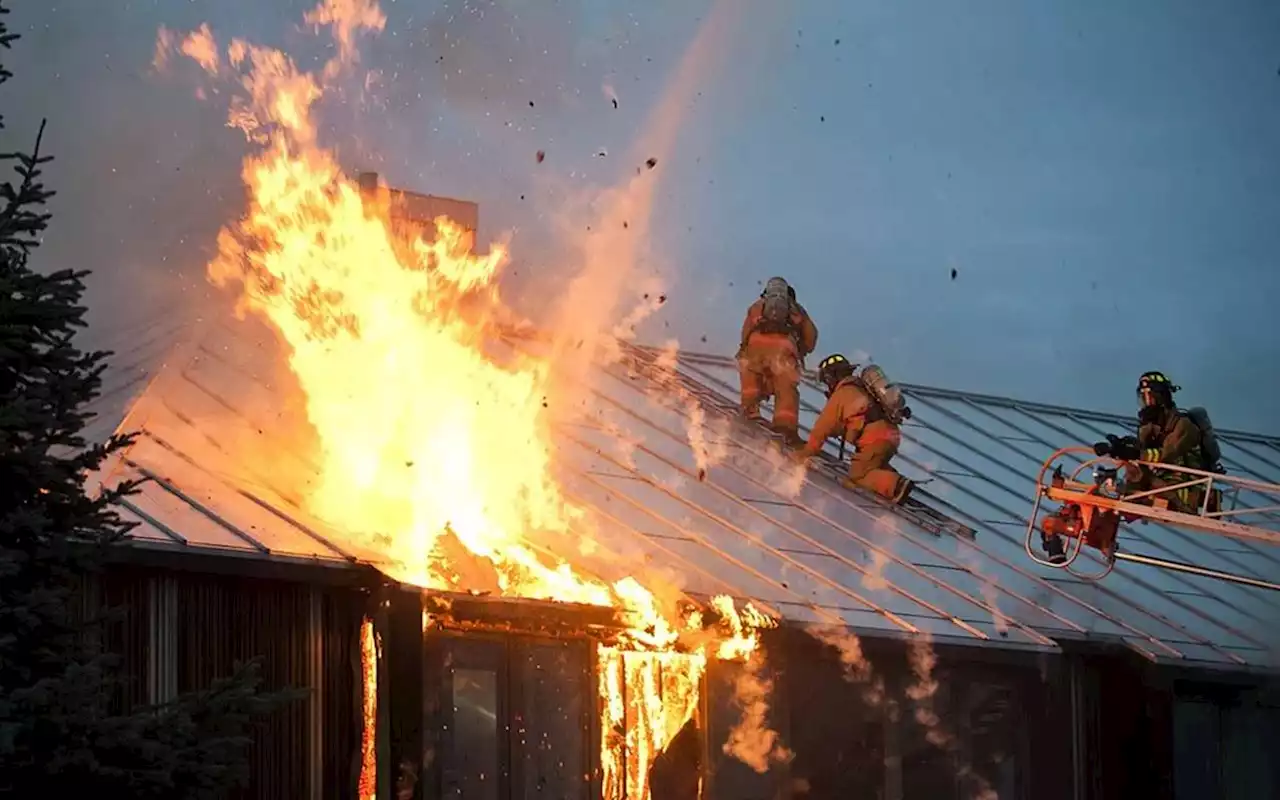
[
  {"x": 1186, "y": 500},
  {"x": 869, "y": 468},
  {"x": 770, "y": 366}
]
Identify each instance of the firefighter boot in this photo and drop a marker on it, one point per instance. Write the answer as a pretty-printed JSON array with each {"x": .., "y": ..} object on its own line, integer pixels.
[
  {"x": 903, "y": 490},
  {"x": 790, "y": 437},
  {"x": 1054, "y": 548}
]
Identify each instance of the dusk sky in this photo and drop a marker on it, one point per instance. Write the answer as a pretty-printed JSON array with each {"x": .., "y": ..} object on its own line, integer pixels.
[{"x": 1103, "y": 177}]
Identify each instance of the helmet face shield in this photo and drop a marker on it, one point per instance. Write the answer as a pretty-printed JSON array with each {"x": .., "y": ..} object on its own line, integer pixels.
[{"x": 1155, "y": 390}]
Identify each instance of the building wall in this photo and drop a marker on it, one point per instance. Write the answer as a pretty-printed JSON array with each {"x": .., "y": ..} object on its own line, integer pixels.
[
  {"x": 184, "y": 629},
  {"x": 1224, "y": 746},
  {"x": 965, "y": 731},
  {"x": 507, "y": 715}
]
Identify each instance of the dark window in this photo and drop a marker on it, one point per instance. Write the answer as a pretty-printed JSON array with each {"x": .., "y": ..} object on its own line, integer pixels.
[
  {"x": 513, "y": 722},
  {"x": 475, "y": 765},
  {"x": 1222, "y": 749},
  {"x": 550, "y": 732},
  {"x": 969, "y": 746},
  {"x": 1196, "y": 759},
  {"x": 994, "y": 740},
  {"x": 475, "y": 733},
  {"x": 838, "y": 739}
]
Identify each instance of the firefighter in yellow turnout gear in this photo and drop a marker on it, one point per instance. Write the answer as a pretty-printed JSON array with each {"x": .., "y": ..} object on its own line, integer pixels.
[
  {"x": 868, "y": 411},
  {"x": 777, "y": 334},
  {"x": 1166, "y": 435}
]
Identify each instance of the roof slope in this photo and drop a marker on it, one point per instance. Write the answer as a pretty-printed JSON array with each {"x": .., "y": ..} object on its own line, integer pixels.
[{"x": 751, "y": 525}]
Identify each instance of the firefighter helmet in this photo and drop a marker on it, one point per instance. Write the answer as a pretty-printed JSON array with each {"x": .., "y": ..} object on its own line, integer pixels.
[
  {"x": 1155, "y": 389},
  {"x": 833, "y": 369}
]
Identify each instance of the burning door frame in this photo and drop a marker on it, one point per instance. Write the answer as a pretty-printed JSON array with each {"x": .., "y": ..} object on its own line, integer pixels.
[{"x": 525, "y": 652}]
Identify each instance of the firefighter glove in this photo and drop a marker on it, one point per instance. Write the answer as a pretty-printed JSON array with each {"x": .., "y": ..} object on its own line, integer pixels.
[
  {"x": 1125, "y": 449},
  {"x": 1102, "y": 449}
]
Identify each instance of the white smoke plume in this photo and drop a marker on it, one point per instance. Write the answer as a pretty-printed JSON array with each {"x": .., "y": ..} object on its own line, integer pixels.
[
  {"x": 751, "y": 740},
  {"x": 987, "y": 586},
  {"x": 922, "y": 659},
  {"x": 708, "y": 450},
  {"x": 922, "y": 692},
  {"x": 874, "y": 578},
  {"x": 787, "y": 476},
  {"x": 623, "y": 442},
  {"x": 857, "y": 669}
]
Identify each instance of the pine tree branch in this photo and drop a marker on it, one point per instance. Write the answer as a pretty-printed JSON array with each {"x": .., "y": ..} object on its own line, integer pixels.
[{"x": 63, "y": 730}]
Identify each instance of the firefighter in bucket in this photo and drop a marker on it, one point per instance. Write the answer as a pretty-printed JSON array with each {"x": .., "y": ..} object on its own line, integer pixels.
[{"x": 1166, "y": 435}]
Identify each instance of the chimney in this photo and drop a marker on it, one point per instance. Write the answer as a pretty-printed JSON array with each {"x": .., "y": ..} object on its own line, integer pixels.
[{"x": 368, "y": 182}]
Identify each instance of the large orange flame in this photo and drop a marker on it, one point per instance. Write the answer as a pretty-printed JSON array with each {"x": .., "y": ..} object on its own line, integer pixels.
[
  {"x": 421, "y": 434},
  {"x": 430, "y": 450}
]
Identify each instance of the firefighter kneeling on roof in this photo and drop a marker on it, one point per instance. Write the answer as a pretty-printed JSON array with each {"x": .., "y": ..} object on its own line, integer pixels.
[
  {"x": 867, "y": 411},
  {"x": 776, "y": 336}
]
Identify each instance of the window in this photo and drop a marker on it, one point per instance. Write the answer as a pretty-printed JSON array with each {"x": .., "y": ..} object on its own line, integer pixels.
[
  {"x": 514, "y": 718},
  {"x": 1221, "y": 750},
  {"x": 551, "y": 730},
  {"x": 475, "y": 733}
]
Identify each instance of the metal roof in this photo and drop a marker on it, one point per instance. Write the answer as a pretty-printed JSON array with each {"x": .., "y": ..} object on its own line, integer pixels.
[
  {"x": 753, "y": 525},
  {"x": 137, "y": 353}
]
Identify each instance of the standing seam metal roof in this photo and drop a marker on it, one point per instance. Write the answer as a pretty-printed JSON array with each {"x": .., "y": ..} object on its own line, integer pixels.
[{"x": 751, "y": 525}]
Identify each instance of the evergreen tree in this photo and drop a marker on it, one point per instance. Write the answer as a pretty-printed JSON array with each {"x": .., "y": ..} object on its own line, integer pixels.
[{"x": 60, "y": 733}]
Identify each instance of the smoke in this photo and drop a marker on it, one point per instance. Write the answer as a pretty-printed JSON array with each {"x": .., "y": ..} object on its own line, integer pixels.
[
  {"x": 987, "y": 586},
  {"x": 708, "y": 450},
  {"x": 886, "y": 525},
  {"x": 613, "y": 241},
  {"x": 857, "y": 669},
  {"x": 622, "y": 441},
  {"x": 922, "y": 692},
  {"x": 485, "y": 54},
  {"x": 751, "y": 740},
  {"x": 922, "y": 659},
  {"x": 874, "y": 578}
]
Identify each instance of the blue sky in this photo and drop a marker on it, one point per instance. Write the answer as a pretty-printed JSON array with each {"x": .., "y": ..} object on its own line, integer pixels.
[{"x": 1104, "y": 177}]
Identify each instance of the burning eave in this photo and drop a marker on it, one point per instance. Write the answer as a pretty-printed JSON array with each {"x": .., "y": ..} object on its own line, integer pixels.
[{"x": 463, "y": 611}]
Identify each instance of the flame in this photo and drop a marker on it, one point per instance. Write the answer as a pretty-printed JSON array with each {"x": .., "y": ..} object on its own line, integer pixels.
[
  {"x": 369, "y": 649},
  {"x": 423, "y": 438},
  {"x": 646, "y": 697},
  {"x": 430, "y": 451},
  {"x": 744, "y": 627}
]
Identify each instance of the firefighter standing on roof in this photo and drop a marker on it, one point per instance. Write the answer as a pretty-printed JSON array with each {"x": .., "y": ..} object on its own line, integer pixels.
[
  {"x": 1166, "y": 435},
  {"x": 868, "y": 412},
  {"x": 777, "y": 334}
]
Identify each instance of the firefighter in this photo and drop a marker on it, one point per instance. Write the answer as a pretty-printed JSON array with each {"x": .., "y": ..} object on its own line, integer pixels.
[
  {"x": 1166, "y": 435},
  {"x": 867, "y": 412},
  {"x": 777, "y": 334}
]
